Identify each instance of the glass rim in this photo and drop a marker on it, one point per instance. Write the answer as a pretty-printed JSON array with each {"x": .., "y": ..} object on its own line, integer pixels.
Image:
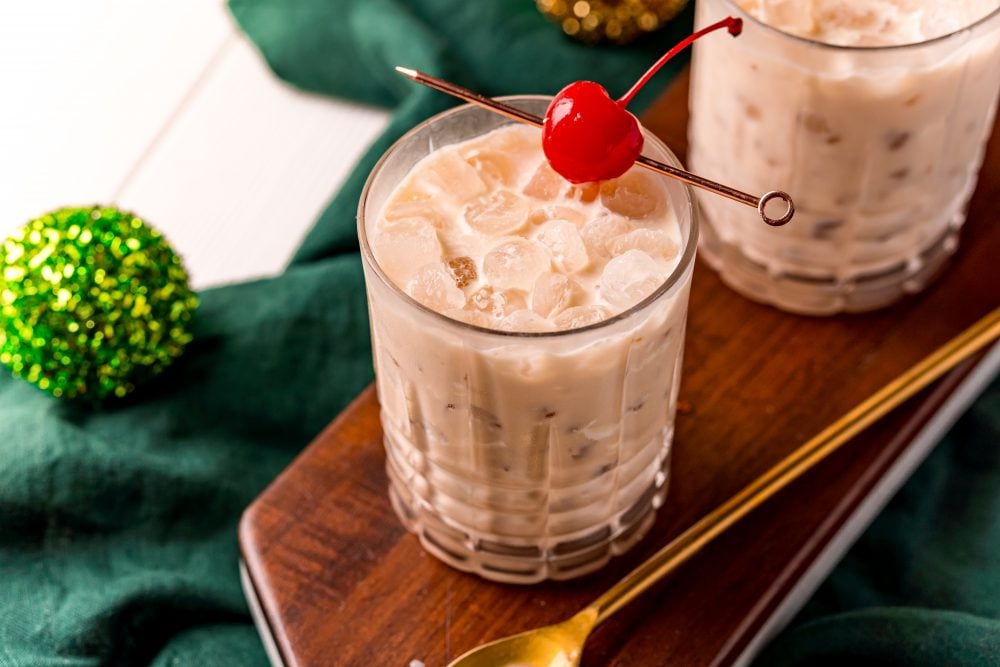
[
  {"x": 972, "y": 27},
  {"x": 682, "y": 267}
]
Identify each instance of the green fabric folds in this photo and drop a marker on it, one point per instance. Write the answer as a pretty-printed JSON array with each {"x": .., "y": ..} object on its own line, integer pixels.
[
  {"x": 118, "y": 527},
  {"x": 921, "y": 588}
]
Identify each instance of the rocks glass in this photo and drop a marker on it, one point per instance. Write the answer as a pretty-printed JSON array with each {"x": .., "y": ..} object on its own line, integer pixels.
[
  {"x": 523, "y": 456},
  {"x": 879, "y": 146}
]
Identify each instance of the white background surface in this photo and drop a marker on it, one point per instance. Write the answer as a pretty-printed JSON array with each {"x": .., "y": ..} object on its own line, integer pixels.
[{"x": 166, "y": 109}]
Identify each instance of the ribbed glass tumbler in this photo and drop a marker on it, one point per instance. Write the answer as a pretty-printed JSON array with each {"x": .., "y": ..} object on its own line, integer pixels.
[
  {"x": 879, "y": 145},
  {"x": 523, "y": 456}
]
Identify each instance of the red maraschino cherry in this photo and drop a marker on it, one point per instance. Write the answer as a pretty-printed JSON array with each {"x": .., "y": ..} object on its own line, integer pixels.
[{"x": 588, "y": 137}]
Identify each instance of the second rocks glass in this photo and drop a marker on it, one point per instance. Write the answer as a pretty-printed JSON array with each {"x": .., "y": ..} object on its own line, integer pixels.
[{"x": 879, "y": 145}]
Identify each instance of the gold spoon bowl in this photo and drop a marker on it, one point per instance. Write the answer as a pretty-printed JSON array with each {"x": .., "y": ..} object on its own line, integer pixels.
[{"x": 558, "y": 645}]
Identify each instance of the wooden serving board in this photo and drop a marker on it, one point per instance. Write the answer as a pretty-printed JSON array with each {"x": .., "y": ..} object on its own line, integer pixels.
[{"x": 335, "y": 579}]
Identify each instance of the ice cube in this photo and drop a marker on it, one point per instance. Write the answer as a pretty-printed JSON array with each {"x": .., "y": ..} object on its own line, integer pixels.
[
  {"x": 497, "y": 302},
  {"x": 495, "y": 168},
  {"x": 409, "y": 191},
  {"x": 518, "y": 141},
  {"x": 444, "y": 172},
  {"x": 656, "y": 243},
  {"x": 543, "y": 214},
  {"x": 581, "y": 316},
  {"x": 498, "y": 213},
  {"x": 404, "y": 246},
  {"x": 421, "y": 216},
  {"x": 599, "y": 231},
  {"x": 629, "y": 278},
  {"x": 553, "y": 293},
  {"x": 434, "y": 287},
  {"x": 795, "y": 16},
  {"x": 515, "y": 263},
  {"x": 563, "y": 240},
  {"x": 636, "y": 195},
  {"x": 940, "y": 17},
  {"x": 545, "y": 184},
  {"x": 411, "y": 203},
  {"x": 526, "y": 321}
]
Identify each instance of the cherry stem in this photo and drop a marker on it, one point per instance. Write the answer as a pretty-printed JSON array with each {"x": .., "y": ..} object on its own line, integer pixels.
[{"x": 735, "y": 26}]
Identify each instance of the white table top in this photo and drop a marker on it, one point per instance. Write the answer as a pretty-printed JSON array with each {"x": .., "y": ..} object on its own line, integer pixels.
[{"x": 166, "y": 109}]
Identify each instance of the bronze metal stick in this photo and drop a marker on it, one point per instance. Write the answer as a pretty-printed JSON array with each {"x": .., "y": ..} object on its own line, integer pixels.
[{"x": 673, "y": 172}]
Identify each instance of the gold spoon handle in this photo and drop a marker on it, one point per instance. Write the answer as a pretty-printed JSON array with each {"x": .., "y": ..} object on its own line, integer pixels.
[
  {"x": 688, "y": 543},
  {"x": 760, "y": 203}
]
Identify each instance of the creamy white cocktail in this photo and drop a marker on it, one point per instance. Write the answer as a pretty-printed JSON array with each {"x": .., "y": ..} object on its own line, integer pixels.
[
  {"x": 527, "y": 336},
  {"x": 872, "y": 113}
]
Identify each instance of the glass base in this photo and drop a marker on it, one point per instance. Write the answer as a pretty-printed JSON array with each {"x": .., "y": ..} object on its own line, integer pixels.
[
  {"x": 520, "y": 560},
  {"x": 818, "y": 295}
]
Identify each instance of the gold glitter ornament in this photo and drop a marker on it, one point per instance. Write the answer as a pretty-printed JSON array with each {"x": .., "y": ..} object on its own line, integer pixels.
[
  {"x": 617, "y": 21},
  {"x": 92, "y": 302}
]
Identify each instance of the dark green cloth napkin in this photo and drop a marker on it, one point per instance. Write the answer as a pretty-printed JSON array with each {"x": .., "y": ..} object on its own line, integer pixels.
[{"x": 118, "y": 527}]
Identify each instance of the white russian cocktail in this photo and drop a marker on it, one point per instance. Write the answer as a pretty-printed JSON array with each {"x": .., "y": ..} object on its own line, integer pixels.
[
  {"x": 527, "y": 336},
  {"x": 873, "y": 114}
]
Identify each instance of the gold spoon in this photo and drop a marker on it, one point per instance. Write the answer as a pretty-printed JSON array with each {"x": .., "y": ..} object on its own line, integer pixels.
[{"x": 561, "y": 645}]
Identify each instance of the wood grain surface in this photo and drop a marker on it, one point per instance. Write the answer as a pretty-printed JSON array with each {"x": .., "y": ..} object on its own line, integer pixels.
[{"x": 341, "y": 582}]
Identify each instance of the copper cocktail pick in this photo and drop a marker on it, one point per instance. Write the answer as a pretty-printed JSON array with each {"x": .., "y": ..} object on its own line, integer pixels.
[{"x": 653, "y": 165}]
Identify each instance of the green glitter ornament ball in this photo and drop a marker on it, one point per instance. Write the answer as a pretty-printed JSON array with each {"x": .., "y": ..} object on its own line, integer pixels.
[{"x": 93, "y": 301}]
